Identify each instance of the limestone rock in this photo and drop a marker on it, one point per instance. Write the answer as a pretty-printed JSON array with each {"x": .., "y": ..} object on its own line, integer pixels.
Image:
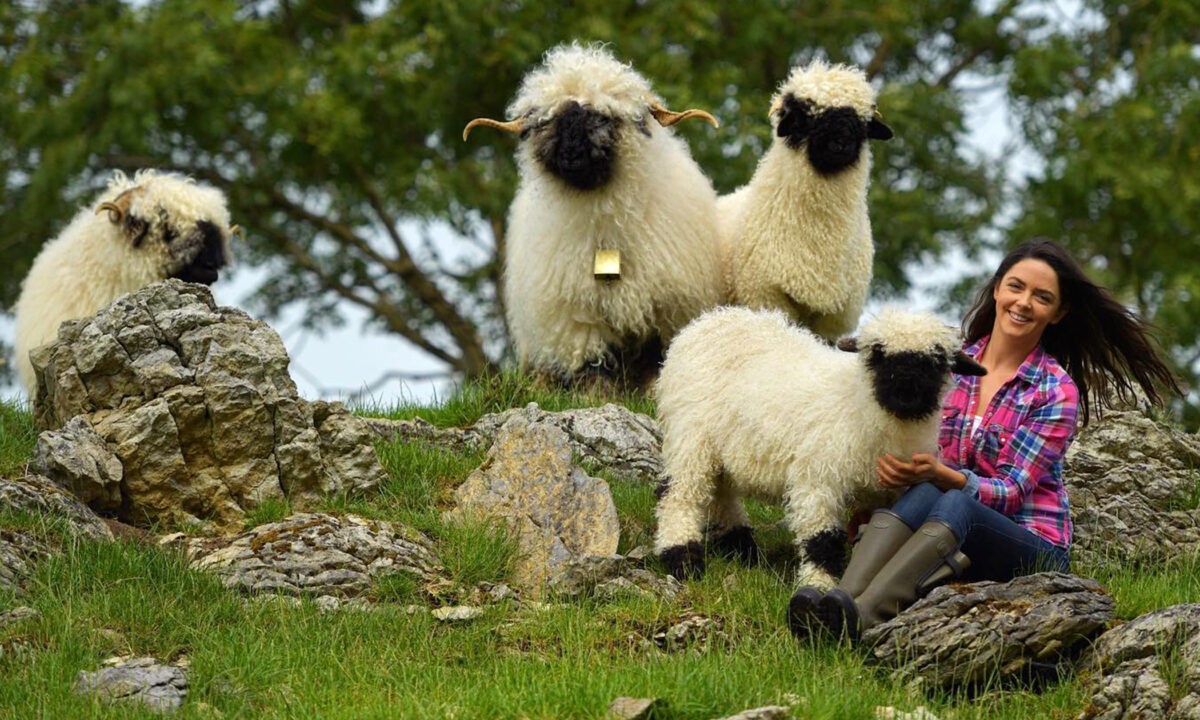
[
  {"x": 457, "y": 613},
  {"x": 692, "y": 632},
  {"x": 968, "y": 634},
  {"x": 143, "y": 680},
  {"x": 165, "y": 407},
  {"x": 610, "y": 576},
  {"x": 767, "y": 712},
  {"x": 39, "y": 495},
  {"x": 557, "y": 511},
  {"x": 1130, "y": 673},
  {"x": 316, "y": 554},
  {"x": 20, "y": 552},
  {"x": 17, "y": 615},
  {"x": 1134, "y": 487}
]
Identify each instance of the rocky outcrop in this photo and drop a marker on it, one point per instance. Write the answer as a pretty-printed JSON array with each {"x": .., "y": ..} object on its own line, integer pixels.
[
  {"x": 966, "y": 635},
  {"x": 626, "y": 443},
  {"x": 1147, "y": 668},
  {"x": 38, "y": 495},
  {"x": 165, "y": 407},
  {"x": 556, "y": 510},
  {"x": 314, "y": 554},
  {"x": 1134, "y": 486},
  {"x": 139, "y": 680}
]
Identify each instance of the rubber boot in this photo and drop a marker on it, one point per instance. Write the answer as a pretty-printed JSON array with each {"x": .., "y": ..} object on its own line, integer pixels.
[
  {"x": 885, "y": 533},
  {"x": 929, "y": 557}
]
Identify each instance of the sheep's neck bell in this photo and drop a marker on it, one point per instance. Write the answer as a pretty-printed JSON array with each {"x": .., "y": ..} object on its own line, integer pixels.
[{"x": 607, "y": 265}]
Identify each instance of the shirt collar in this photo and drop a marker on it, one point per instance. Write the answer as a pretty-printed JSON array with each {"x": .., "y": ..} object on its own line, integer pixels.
[{"x": 1031, "y": 369}]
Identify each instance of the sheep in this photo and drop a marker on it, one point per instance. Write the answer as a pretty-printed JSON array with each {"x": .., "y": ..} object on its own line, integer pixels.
[
  {"x": 151, "y": 227},
  {"x": 797, "y": 237},
  {"x": 751, "y": 404},
  {"x": 602, "y": 179}
]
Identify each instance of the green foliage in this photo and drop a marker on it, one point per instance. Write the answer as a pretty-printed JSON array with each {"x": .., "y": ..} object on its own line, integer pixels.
[
  {"x": 477, "y": 549},
  {"x": 268, "y": 511},
  {"x": 18, "y": 435}
]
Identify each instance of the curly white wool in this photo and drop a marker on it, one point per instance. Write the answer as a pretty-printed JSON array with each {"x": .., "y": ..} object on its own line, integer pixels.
[
  {"x": 796, "y": 240},
  {"x": 92, "y": 262},
  {"x": 658, "y": 211},
  {"x": 751, "y": 405}
]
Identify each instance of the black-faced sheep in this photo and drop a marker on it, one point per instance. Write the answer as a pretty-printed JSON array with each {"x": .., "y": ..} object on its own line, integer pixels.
[
  {"x": 141, "y": 230},
  {"x": 611, "y": 243},
  {"x": 797, "y": 238},
  {"x": 753, "y": 405}
]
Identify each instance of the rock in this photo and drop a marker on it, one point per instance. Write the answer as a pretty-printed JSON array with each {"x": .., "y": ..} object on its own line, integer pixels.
[
  {"x": 457, "y": 614},
  {"x": 890, "y": 713},
  {"x": 1134, "y": 487},
  {"x": 1130, "y": 667},
  {"x": 626, "y": 443},
  {"x": 556, "y": 510},
  {"x": 768, "y": 712},
  {"x": 16, "y": 615},
  {"x": 627, "y": 708},
  {"x": 164, "y": 407},
  {"x": 608, "y": 577},
  {"x": 20, "y": 551},
  {"x": 39, "y": 495},
  {"x": 144, "y": 680},
  {"x": 964, "y": 635},
  {"x": 690, "y": 632},
  {"x": 316, "y": 554}
]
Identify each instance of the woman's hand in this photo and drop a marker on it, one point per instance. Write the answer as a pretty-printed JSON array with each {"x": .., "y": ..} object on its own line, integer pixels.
[{"x": 894, "y": 473}]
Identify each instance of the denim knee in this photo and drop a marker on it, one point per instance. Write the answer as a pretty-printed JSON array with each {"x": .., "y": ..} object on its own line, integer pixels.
[
  {"x": 953, "y": 509},
  {"x": 915, "y": 505}
]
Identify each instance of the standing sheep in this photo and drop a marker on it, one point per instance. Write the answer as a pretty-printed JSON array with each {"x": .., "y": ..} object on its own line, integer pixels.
[
  {"x": 612, "y": 241},
  {"x": 752, "y": 405},
  {"x": 141, "y": 230},
  {"x": 798, "y": 238}
]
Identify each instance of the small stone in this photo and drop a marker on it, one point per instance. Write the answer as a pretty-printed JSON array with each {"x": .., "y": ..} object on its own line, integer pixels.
[
  {"x": 767, "y": 712},
  {"x": 18, "y": 614},
  {"x": 458, "y": 613},
  {"x": 627, "y": 708},
  {"x": 144, "y": 680}
]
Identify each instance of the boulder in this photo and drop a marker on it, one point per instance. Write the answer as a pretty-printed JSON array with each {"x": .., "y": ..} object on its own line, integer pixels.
[
  {"x": 164, "y": 407},
  {"x": 38, "y": 495},
  {"x": 555, "y": 509},
  {"x": 967, "y": 635},
  {"x": 1134, "y": 487},
  {"x": 141, "y": 680}
]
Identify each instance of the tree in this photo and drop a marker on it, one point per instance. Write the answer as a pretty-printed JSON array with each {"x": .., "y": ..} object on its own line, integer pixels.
[{"x": 334, "y": 127}]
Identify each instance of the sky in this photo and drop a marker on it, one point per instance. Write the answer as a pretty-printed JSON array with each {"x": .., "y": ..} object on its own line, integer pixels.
[{"x": 343, "y": 362}]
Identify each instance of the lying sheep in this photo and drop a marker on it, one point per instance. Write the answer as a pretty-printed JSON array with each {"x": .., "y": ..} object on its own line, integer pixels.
[
  {"x": 797, "y": 238},
  {"x": 753, "y": 405},
  {"x": 141, "y": 230},
  {"x": 600, "y": 171}
]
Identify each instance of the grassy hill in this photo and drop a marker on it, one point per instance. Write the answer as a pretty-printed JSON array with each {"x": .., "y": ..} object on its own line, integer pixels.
[{"x": 275, "y": 659}]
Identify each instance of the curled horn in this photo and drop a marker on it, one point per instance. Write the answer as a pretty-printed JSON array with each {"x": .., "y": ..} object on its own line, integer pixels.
[
  {"x": 115, "y": 213},
  {"x": 667, "y": 118},
  {"x": 512, "y": 126},
  {"x": 237, "y": 230}
]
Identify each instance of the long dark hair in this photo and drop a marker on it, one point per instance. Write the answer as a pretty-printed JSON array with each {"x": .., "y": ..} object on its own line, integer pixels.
[{"x": 1104, "y": 346}]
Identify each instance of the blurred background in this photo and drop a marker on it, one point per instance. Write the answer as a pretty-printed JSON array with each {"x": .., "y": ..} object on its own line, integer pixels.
[{"x": 374, "y": 232}]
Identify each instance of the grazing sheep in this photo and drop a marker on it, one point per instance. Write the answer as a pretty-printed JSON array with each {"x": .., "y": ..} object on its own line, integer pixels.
[
  {"x": 753, "y": 405},
  {"x": 797, "y": 238},
  {"x": 600, "y": 171},
  {"x": 151, "y": 227}
]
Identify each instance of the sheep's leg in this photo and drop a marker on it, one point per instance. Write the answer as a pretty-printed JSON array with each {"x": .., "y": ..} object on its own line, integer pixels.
[
  {"x": 681, "y": 513},
  {"x": 728, "y": 514},
  {"x": 814, "y": 520}
]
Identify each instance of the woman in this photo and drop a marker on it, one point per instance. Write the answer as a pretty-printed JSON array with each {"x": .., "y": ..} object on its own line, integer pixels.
[{"x": 993, "y": 498}]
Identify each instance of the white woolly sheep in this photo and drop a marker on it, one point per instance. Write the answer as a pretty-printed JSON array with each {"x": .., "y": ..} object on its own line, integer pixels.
[
  {"x": 797, "y": 238},
  {"x": 141, "y": 230},
  {"x": 753, "y": 405},
  {"x": 600, "y": 171}
]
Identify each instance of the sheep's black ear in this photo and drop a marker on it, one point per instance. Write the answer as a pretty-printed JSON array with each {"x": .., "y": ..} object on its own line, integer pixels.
[
  {"x": 964, "y": 364},
  {"x": 135, "y": 228},
  {"x": 848, "y": 344},
  {"x": 878, "y": 130}
]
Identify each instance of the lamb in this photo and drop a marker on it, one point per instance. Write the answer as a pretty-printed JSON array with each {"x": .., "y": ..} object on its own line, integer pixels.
[
  {"x": 798, "y": 238},
  {"x": 750, "y": 404},
  {"x": 612, "y": 239},
  {"x": 151, "y": 227}
]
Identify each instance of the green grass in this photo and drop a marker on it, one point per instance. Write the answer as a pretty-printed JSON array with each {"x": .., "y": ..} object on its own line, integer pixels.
[
  {"x": 17, "y": 438},
  {"x": 269, "y": 659}
]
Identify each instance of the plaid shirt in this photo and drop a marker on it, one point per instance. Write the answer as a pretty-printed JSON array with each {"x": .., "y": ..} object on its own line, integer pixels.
[{"x": 1013, "y": 461}]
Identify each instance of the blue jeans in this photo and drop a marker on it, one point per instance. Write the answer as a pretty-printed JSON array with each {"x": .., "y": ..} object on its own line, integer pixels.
[{"x": 998, "y": 547}]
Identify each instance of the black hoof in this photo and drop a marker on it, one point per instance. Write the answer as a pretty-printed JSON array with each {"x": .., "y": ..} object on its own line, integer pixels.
[
  {"x": 738, "y": 543},
  {"x": 684, "y": 562},
  {"x": 837, "y": 612},
  {"x": 802, "y": 619}
]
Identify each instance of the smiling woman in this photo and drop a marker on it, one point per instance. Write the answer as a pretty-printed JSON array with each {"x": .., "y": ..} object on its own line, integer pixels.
[{"x": 991, "y": 503}]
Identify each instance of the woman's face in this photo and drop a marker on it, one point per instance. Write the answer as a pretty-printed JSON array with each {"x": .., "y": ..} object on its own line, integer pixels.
[{"x": 1027, "y": 300}]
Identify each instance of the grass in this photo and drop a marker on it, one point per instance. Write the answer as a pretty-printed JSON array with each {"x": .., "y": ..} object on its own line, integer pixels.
[{"x": 264, "y": 658}]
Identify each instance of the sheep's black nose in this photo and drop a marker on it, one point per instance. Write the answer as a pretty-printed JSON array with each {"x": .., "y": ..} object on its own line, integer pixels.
[
  {"x": 582, "y": 149},
  {"x": 835, "y": 141},
  {"x": 205, "y": 267}
]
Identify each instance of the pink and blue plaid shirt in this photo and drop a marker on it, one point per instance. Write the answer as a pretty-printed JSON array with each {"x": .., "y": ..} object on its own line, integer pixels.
[{"x": 1013, "y": 460}]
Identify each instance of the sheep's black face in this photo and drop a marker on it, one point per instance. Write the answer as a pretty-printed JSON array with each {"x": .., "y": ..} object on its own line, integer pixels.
[
  {"x": 834, "y": 137},
  {"x": 580, "y": 148},
  {"x": 208, "y": 246},
  {"x": 908, "y": 384}
]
